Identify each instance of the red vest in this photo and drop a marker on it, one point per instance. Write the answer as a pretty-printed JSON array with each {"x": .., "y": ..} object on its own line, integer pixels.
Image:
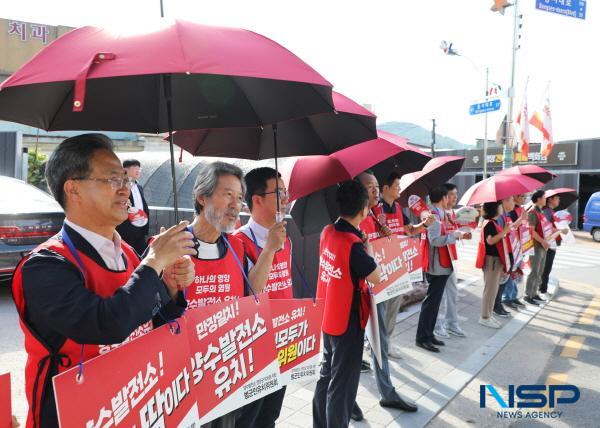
[
  {"x": 451, "y": 226},
  {"x": 443, "y": 252},
  {"x": 395, "y": 220},
  {"x": 501, "y": 246},
  {"x": 100, "y": 281},
  {"x": 217, "y": 280},
  {"x": 370, "y": 227},
  {"x": 335, "y": 281},
  {"x": 554, "y": 229},
  {"x": 513, "y": 243},
  {"x": 279, "y": 284},
  {"x": 543, "y": 227}
]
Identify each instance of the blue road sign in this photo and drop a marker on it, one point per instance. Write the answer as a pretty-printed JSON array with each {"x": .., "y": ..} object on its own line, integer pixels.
[
  {"x": 572, "y": 8},
  {"x": 485, "y": 107}
]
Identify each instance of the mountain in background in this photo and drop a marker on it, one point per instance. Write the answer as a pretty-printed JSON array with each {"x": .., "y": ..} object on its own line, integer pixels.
[{"x": 420, "y": 136}]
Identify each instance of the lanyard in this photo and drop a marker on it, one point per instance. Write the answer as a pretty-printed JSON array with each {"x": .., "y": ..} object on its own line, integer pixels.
[{"x": 67, "y": 241}]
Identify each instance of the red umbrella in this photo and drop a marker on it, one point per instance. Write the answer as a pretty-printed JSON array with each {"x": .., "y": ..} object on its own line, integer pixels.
[
  {"x": 567, "y": 197},
  {"x": 533, "y": 171},
  {"x": 408, "y": 161},
  {"x": 435, "y": 173},
  {"x": 170, "y": 76},
  {"x": 311, "y": 135},
  {"x": 311, "y": 173},
  {"x": 499, "y": 187}
]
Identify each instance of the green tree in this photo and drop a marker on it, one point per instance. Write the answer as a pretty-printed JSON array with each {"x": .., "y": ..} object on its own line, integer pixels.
[{"x": 35, "y": 170}]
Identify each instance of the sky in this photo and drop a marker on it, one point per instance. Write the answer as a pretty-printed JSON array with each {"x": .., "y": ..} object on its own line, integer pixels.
[{"x": 387, "y": 53}]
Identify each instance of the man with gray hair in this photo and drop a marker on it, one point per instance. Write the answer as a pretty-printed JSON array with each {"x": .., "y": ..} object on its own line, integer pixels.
[
  {"x": 84, "y": 291},
  {"x": 220, "y": 263}
]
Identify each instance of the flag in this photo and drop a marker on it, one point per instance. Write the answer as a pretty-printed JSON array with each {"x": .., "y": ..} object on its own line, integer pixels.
[
  {"x": 504, "y": 134},
  {"x": 523, "y": 121},
  {"x": 543, "y": 122}
]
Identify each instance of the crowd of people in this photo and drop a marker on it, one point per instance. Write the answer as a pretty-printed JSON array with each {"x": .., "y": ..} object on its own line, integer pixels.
[{"x": 94, "y": 284}]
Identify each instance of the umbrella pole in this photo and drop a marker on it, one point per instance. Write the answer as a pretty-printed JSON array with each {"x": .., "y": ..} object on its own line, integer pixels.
[
  {"x": 168, "y": 97},
  {"x": 278, "y": 213}
]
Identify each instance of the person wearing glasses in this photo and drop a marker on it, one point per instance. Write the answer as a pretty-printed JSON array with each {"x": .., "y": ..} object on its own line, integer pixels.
[
  {"x": 263, "y": 187},
  {"x": 134, "y": 230},
  {"x": 84, "y": 291}
]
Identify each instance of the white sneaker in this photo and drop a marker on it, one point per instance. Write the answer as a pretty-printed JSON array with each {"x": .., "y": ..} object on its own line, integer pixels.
[
  {"x": 490, "y": 322},
  {"x": 440, "y": 331},
  {"x": 456, "y": 331},
  {"x": 394, "y": 352}
]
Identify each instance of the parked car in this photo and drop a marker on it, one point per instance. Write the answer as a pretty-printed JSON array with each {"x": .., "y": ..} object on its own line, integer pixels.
[
  {"x": 591, "y": 216},
  {"x": 28, "y": 216}
]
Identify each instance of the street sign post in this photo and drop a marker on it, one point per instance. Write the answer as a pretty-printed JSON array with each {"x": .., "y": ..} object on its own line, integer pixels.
[
  {"x": 572, "y": 8},
  {"x": 485, "y": 107}
]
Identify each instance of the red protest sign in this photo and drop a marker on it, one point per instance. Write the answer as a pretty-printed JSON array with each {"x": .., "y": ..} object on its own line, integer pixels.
[
  {"x": 233, "y": 355},
  {"x": 5, "y": 406},
  {"x": 411, "y": 255},
  {"x": 418, "y": 207},
  {"x": 145, "y": 383},
  {"x": 395, "y": 278},
  {"x": 297, "y": 327}
]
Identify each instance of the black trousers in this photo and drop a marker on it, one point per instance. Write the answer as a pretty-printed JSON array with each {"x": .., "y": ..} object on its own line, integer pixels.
[
  {"x": 431, "y": 306},
  {"x": 336, "y": 388},
  {"x": 263, "y": 412},
  {"x": 550, "y": 254},
  {"x": 498, "y": 301}
]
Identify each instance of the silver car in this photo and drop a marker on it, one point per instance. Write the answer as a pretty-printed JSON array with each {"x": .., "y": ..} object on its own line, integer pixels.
[{"x": 28, "y": 217}]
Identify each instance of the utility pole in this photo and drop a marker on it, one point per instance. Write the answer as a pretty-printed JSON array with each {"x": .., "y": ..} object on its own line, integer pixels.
[
  {"x": 485, "y": 134},
  {"x": 433, "y": 139},
  {"x": 162, "y": 11},
  {"x": 507, "y": 157}
]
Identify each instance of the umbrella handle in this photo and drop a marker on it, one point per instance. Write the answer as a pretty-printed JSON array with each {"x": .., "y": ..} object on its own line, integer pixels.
[{"x": 80, "y": 80}]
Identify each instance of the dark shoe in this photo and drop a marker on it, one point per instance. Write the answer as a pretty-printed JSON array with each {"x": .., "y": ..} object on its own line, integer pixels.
[
  {"x": 437, "y": 342},
  {"x": 511, "y": 305},
  {"x": 399, "y": 404},
  {"x": 518, "y": 303},
  {"x": 501, "y": 313},
  {"x": 356, "y": 414},
  {"x": 365, "y": 367},
  {"x": 531, "y": 301},
  {"x": 507, "y": 313},
  {"x": 539, "y": 298},
  {"x": 428, "y": 346}
]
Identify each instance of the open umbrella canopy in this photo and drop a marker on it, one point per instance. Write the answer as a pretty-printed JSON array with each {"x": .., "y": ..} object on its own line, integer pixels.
[
  {"x": 412, "y": 159},
  {"x": 499, "y": 187},
  {"x": 436, "y": 172},
  {"x": 311, "y": 173},
  {"x": 567, "y": 197},
  {"x": 533, "y": 171},
  {"x": 121, "y": 80},
  {"x": 318, "y": 134}
]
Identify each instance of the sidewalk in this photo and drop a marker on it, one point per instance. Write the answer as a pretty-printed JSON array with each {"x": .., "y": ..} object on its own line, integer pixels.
[{"x": 429, "y": 379}]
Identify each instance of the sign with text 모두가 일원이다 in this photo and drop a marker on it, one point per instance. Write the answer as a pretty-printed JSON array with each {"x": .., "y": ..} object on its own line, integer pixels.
[
  {"x": 144, "y": 383},
  {"x": 395, "y": 277},
  {"x": 297, "y": 326},
  {"x": 234, "y": 361}
]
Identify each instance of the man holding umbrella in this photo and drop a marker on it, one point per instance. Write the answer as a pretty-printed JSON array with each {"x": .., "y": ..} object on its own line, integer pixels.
[
  {"x": 85, "y": 286},
  {"x": 263, "y": 187},
  {"x": 373, "y": 228}
]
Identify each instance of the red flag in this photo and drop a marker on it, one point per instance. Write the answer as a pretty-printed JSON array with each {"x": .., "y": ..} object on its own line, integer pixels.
[
  {"x": 523, "y": 121},
  {"x": 543, "y": 122}
]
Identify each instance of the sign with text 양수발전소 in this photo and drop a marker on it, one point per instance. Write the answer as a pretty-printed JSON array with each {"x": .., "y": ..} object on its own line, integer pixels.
[
  {"x": 5, "y": 407},
  {"x": 144, "y": 383},
  {"x": 395, "y": 277},
  {"x": 234, "y": 361},
  {"x": 297, "y": 327},
  {"x": 411, "y": 255}
]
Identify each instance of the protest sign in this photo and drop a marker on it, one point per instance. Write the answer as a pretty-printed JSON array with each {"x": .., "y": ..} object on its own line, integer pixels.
[
  {"x": 234, "y": 361},
  {"x": 411, "y": 256},
  {"x": 297, "y": 327},
  {"x": 145, "y": 383},
  {"x": 395, "y": 277}
]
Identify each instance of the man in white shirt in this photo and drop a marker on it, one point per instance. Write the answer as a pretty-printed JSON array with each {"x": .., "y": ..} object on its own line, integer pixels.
[{"x": 134, "y": 230}]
